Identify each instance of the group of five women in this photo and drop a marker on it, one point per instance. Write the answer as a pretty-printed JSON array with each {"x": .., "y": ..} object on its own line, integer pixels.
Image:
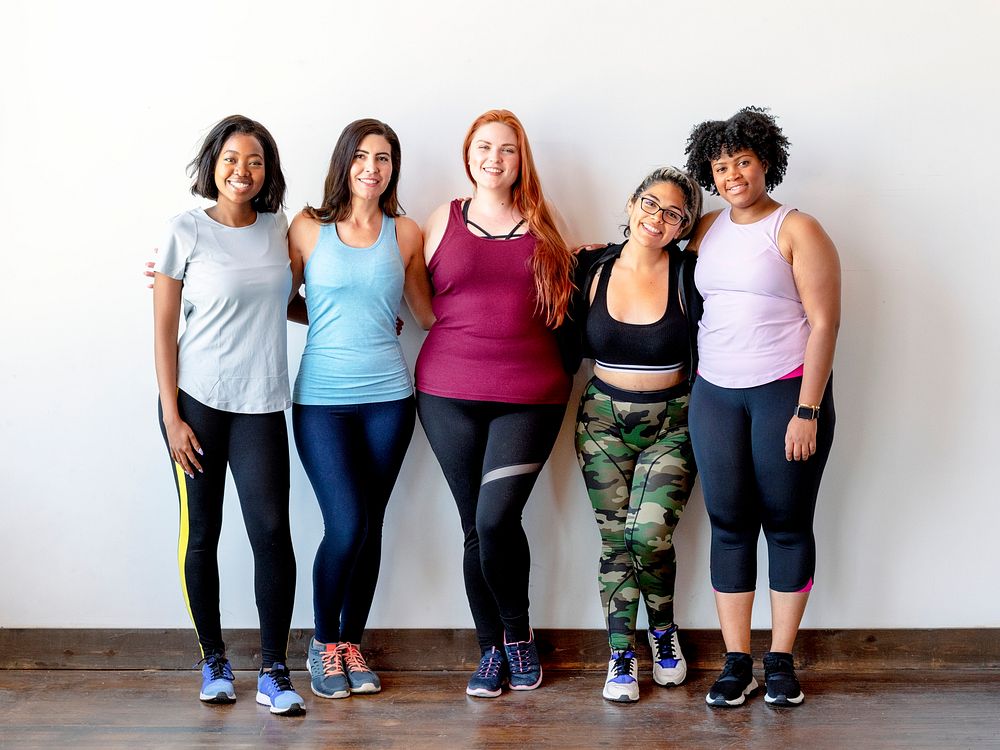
[{"x": 510, "y": 312}]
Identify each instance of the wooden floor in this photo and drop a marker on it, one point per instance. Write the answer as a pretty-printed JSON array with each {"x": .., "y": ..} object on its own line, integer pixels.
[{"x": 159, "y": 709}]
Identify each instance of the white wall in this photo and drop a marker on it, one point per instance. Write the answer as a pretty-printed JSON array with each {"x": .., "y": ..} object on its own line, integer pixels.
[{"x": 892, "y": 111}]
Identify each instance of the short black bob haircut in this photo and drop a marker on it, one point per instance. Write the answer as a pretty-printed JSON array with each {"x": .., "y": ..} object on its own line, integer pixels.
[
  {"x": 271, "y": 196},
  {"x": 751, "y": 129},
  {"x": 336, "y": 205}
]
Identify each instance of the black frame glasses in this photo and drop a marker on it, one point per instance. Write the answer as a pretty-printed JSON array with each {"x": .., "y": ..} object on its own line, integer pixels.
[{"x": 653, "y": 208}]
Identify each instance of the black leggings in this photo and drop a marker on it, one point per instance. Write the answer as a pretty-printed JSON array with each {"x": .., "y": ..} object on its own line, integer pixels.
[
  {"x": 491, "y": 454},
  {"x": 739, "y": 445},
  {"x": 255, "y": 448}
]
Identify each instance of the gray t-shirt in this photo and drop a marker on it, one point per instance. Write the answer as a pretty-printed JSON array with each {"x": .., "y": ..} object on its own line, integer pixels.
[{"x": 237, "y": 280}]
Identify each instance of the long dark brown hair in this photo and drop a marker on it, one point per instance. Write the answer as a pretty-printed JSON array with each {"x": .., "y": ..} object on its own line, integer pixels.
[{"x": 336, "y": 204}]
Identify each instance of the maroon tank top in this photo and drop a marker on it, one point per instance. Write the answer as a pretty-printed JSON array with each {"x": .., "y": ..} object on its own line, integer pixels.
[{"x": 488, "y": 344}]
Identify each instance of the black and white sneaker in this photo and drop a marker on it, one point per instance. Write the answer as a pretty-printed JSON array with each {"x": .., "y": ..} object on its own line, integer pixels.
[
  {"x": 780, "y": 680},
  {"x": 735, "y": 683}
]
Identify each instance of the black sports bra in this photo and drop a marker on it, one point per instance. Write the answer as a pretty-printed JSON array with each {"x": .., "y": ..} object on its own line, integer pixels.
[{"x": 658, "y": 347}]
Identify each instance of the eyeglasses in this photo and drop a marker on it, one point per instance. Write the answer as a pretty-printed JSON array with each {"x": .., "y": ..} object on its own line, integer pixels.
[{"x": 652, "y": 208}]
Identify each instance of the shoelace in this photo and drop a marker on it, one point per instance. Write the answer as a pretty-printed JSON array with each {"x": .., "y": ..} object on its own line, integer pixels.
[
  {"x": 279, "y": 674},
  {"x": 489, "y": 665},
  {"x": 623, "y": 663},
  {"x": 522, "y": 657},
  {"x": 218, "y": 667},
  {"x": 331, "y": 663},
  {"x": 353, "y": 658},
  {"x": 664, "y": 645}
]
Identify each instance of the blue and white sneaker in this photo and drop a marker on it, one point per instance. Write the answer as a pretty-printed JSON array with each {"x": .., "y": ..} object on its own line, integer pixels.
[
  {"x": 217, "y": 680},
  {"x": 525, "y": 667},
  {"x": 669, "y": 664},
  {"x": 490, "y": 677},
  {"x": 622, "y": 685},
  {"x": 274, "y": 689}
]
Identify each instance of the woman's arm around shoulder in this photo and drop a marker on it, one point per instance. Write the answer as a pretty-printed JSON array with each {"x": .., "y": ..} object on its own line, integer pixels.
[
  {"x": 416, "y": 284},
  {"x": 302, "y": 236},
  {"x": 703, "y": 225}
]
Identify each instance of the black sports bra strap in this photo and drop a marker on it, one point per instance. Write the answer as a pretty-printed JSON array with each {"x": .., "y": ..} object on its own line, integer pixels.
[{"x": 487, "y": 235}]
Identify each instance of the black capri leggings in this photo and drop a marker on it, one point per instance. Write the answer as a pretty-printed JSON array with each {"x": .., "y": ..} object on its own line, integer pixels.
[
  {"x": 738, "y": 436},
  {"x": 491, "y": 454},
  {"x": 255, "y": 448}
]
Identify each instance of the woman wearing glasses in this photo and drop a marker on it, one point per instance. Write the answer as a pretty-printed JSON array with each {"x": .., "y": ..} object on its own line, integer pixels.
[
  {"x": 638, "y": 315},
  {"x": 762, "y": 415}
]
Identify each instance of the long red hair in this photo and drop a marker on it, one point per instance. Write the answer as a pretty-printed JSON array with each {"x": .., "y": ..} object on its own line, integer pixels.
[{"x": 552, "y": 262}]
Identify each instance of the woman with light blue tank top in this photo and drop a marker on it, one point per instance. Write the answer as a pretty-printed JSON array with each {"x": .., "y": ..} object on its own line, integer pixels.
[{"x": 353, "y": 408}]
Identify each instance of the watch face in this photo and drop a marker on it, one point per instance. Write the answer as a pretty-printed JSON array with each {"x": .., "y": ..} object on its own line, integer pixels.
[{"x": 805, "y": 412}]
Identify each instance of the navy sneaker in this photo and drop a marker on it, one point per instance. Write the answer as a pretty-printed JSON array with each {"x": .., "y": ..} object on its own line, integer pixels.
[
  {"x": 326, "y": 671},
  {"x": 735, "y": 683},
  {"x": 780, "y": 680},
  {"x": 525, "y": 668},
  {"x": 274, "y": 689},
  {"x": 217, "y": 680},
  {"x": 489, "y": 679},
  {"x": 669, "y": 665},
  {"x": 360, "y": 676},
  {"x": 622, "y": 684}
]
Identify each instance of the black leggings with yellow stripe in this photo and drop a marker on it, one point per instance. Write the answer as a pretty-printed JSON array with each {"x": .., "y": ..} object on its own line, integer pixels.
[{"x": 255, "y": 448}]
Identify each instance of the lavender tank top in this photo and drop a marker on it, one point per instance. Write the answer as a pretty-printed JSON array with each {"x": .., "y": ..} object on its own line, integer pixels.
[
  {"x": 754, "y": 328},
  {"x": 487, "y": 343}
]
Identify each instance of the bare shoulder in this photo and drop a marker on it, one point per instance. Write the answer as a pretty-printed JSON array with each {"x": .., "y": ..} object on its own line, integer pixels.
[
  {"x": 438, "y": 217},
  {"x": 802, "y": 229},
  {"x": 303, "y": 233},
  {"x": 704, "y": 223},
  {"x": 407, "y": 229}
]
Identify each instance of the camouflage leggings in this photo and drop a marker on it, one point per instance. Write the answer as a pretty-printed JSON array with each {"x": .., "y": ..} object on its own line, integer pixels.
[{"x": 639, "y": 468}]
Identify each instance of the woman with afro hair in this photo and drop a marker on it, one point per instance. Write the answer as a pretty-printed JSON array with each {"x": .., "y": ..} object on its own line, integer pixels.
[{"x": 761, "y": 414}]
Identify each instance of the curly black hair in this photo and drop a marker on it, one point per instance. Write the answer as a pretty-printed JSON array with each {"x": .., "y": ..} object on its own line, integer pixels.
[{"x": 753, "y": 129}]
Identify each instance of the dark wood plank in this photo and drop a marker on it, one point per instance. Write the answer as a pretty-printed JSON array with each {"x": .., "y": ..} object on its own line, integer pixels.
[
  {"x": 455, "y": 649},
  {"x": 105, "y": 709}
]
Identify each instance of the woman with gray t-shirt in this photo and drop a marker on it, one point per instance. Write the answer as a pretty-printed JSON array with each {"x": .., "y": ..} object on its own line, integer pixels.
[{"x": 223, "y": 390}]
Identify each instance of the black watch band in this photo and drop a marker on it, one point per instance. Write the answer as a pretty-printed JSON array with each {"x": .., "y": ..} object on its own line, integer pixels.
[{"x": 807, "y": 411}]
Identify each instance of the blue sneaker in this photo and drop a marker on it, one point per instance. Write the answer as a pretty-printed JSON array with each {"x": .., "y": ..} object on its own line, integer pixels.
[
  {"x": 491, "y": 676},
  {"x": 360, "y": 676},
  {"x": 217, "y": 680},
  {"x": 525, "y": 668},
  {"x": 622, "y": 684},
  {"x": 326, "y": 671},
  {"x": 669, "y": 665},
  {"x": 274, "y": 689}
]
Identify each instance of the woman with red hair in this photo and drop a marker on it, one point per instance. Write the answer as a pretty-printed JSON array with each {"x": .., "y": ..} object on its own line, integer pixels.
[{"x": 491, "y": 387}]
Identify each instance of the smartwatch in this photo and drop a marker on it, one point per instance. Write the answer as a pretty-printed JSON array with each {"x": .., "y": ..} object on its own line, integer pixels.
[{"x": 806, "y": 411}]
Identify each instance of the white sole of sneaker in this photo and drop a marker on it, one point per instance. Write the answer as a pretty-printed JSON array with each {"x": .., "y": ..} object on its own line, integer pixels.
[
  {"x": 218, "y": 698},
  {"x": 737, "y": 701},
  {"x": 482, "y": 693},
  {"x": 619, "y": 698},
  {"x": 366, "y": 690},
  {"x": 780, "y": 700},
  {"x": 293, "y": 710}
]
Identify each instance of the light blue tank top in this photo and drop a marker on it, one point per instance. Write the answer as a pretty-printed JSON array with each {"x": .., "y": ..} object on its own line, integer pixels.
[{"x": 352, "y": 354}]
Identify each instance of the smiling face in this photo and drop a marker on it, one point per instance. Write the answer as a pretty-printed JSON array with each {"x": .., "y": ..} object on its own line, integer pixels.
[
  {"x": 240, "y": 170},
  {"x": 371, "y": 168},
  {"x": 494, "y": 158},
  {"x": 740, "y": 178},
  {"x": 650, "y": 229}
]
